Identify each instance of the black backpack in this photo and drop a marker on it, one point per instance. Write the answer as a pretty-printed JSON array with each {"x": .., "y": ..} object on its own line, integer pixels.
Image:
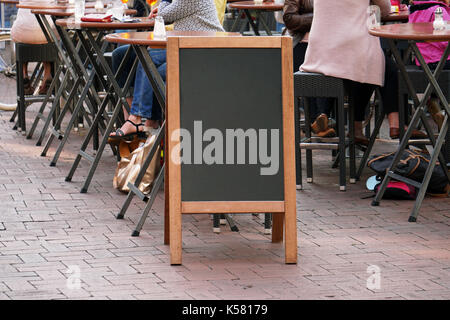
[{"x": 412, "y": 165}]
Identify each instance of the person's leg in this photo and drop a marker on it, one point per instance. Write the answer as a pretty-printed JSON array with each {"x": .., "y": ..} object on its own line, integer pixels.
[
  {"x": 27, "y": 86},
  {"x": 389, "y": 93},
  {"x": 25, "y": 70},
  {"x": 47, "y": 79},
  {"x": 299, "y": 55},
  {"x": 153, "y": 122},
  {"x": 433, "y": 104},
  {"x": 389, "y": 97},
  {"x": 359, "y": 95},
  {"x": 143, "y": 94},
  {"x": 117, "y": 56}
]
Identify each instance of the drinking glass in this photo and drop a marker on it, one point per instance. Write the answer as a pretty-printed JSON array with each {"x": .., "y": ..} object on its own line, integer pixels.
[
  {"x": 159, "y": 30},
  {"x": 373, "y": 17}
]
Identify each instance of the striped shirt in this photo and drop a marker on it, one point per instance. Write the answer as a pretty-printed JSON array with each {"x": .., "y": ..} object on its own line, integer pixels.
[{"x": 190, "y": 15}]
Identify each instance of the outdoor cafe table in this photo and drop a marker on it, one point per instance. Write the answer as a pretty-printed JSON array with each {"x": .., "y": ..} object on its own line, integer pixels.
[
  {"x": 49, "y": 5},
  {"x": 95, "y": 46},
  {"x": 414, "y": 33},
  {"x": 71, "y": 62},
  {"x": 140, "y": 42},
  {"x": 42, "y": 5},
  {"x": 250, "y": 6}
]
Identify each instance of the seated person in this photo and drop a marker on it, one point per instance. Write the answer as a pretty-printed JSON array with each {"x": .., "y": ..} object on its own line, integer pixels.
[
  {"x": 297, "y": 16},
  {"x": 334, "y": 39},
  {"x": 26, "y": 29},
  {"x": 423, "y": 11},
  {"x": 186, "y": 15}
]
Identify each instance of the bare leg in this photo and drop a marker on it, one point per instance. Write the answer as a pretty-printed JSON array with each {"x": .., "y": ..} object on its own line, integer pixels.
[
  {"x": 47, "y": 71},
  {"x": 393, "y": 120},
  {"x": 125, "y": 112},
  {"x": 129, "y": 127},
  {"x": 394, "y": 125},
  {"x": 25, "y": 70}
]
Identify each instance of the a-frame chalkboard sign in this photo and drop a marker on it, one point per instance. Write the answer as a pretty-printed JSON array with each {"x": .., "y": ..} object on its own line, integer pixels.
[{"x": 230, "y": 122}]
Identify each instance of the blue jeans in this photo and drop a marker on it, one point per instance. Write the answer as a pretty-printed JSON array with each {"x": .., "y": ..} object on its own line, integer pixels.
[
  {"x": 143, "y": 96},
  {"x": 117, "y": 57}
]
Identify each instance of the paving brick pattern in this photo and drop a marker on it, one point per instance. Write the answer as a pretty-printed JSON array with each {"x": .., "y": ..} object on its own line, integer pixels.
[{"x": 50, "y": 234}]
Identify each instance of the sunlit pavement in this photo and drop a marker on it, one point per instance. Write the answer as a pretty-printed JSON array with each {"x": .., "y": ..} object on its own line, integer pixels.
[{"x": 56, "y": 243}]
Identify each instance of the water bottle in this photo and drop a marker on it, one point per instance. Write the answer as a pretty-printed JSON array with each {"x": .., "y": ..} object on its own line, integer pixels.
[
  {"x": 79, "y": 9},
  {"x": 159, "y": 30},
  {"x": 438, "y": 23}
]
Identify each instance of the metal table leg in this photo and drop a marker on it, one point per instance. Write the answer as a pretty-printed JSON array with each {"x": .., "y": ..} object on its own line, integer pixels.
[
  {"x": 90, "y": 41},
  {"x": 250, "y": 21},
  {"x": 419, "y": 115}
]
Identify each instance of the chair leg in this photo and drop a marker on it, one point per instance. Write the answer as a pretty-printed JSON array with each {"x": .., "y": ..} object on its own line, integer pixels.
[
  {"x": 309, "y": 165},
  {"x": 351, "y": 144},
  {"x": 298, "y": 155},
  {"x": 341, "y": 133},
  {"x": 20, "y": 98}
]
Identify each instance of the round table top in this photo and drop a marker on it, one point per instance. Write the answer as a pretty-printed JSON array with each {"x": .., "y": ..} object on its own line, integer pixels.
[
  {"x": 147, "y": 39},
  {"x": 144, "y": 23},
  {"x": 49, "y": 5},
  {"x": 397, "y": 16},
  {"x": 70, "y": 12},
  {"x": 251, "y": 5},
  {"x": 411, "y": 31}
]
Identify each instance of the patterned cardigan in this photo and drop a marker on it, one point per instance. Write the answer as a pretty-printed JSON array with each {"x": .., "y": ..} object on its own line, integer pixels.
[{"x": 190, "y": 15}]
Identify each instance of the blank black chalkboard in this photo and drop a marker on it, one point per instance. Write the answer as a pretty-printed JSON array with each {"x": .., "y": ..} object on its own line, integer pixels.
[{"x": 231, "y": 88}]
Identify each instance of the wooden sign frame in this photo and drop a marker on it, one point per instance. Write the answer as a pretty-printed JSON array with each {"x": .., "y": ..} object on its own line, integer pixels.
[{"x": 284, "y": 212}]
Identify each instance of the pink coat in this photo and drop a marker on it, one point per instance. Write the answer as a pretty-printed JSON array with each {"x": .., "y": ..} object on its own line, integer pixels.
[
  {"x": 340, "y": 45},
  {"x": 431, "y": 51}
]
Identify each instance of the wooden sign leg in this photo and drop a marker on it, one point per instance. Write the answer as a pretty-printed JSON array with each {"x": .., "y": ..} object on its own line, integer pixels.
[
  {"x": 290, "y": 227},
  {"x": 277, "y": 227},
  {"x": 175, "y": 236},
  {"x": 166, "y": 192},
  {"x": 166, "y": 210}
]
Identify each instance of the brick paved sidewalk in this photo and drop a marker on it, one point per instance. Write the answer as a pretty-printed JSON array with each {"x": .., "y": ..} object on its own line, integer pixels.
[{"x": 50, "y": 233}]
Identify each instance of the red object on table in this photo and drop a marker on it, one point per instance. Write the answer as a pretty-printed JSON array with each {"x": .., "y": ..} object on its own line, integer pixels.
[
  {"x": 395, "y": 5},
  {"x": 97, "y": 17}
]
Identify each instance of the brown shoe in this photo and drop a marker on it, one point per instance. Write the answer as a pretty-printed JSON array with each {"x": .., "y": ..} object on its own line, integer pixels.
[
  {"x": 361, "y": 140},
  {"x": 44, "y": 87},
  {"x": 321, "y": 124},
  {"x": 27, "y": 87},
  {"x": 327, "y": 133},
  {"x": 394, "y": 133}
]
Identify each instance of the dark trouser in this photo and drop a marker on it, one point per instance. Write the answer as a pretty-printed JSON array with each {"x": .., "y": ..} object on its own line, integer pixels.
[
  {"x": 317, "y": 106},
  {"x": 433, "y": 66},
  {"x": 360, "y": 93}
]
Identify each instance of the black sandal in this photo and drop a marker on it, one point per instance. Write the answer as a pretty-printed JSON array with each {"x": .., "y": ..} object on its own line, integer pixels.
[{"x": 129, "y": 136}]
